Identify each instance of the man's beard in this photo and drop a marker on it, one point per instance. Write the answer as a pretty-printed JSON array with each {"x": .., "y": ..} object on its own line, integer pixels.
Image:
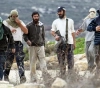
[
  {"x": 61, "y": 16},
  {"x": 36, "y": 21}
]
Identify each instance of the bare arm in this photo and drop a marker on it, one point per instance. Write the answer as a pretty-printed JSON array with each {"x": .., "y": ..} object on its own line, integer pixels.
[
  {"x": 55, "y": 35},
  {"x": 80, "y": 30},
  {"x": 74, "y": 42}
]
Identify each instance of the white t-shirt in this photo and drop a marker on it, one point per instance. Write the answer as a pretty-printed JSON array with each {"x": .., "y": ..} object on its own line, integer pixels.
[
  {"x": 60, "y": 24},
  {"x": 18, "y": 34}
]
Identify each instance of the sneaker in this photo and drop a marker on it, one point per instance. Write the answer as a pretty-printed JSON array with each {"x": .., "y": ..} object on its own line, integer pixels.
[
  {"x": 23, "y": 79},
  {"x": 6, "y": 78}
]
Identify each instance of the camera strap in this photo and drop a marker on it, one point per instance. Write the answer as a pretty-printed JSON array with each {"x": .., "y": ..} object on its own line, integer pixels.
[{"x": 66, "y": 30}]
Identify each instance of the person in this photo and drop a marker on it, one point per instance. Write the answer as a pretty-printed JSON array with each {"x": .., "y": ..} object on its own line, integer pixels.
[
  {"x": 89, "y": 38},
  {"x": 5, "y": 38},
  {"x": 36, "y": 42},
  {"x": 68, "y": 33},
  {"x": 17, "y": 28},
  {"x": 95, "y": 26}
]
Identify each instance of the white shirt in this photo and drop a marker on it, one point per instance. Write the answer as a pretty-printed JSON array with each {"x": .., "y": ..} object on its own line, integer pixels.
[
  {"x": 60, "y": 24},
  {"x": 16, "y": 35}
]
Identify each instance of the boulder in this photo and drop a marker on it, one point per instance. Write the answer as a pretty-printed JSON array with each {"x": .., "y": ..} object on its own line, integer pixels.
[
  {"x": 59, "y": 83},
  {"x": 81, "y": 65},
  {"x": 5, "y": 84}
]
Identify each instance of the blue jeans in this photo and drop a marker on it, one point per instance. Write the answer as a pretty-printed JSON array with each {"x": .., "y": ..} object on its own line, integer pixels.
[
  {"x": 19, "y": 55},
  {"x": 2, "y": 63}
]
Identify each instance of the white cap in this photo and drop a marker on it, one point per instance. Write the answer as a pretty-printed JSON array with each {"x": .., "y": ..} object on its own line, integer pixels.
[{"x": 92, "y": 9}]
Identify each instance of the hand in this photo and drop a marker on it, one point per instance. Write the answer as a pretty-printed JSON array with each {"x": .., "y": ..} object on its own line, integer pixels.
[
  {"x": 29, "y": 43},
  {"x": 74, "y": 46},
  {"x": 13, "y": 50},
  {"x": 77, "y": 32},
  {"x": 97, "y": 28},
  {"x": 13, "y": 31},
  {"x": 57, "y": 38},
  {"x": 17, "y": 20}
]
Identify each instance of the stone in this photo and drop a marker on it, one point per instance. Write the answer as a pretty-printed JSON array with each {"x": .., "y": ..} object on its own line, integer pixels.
[
  {"x": 81, "y": 65},
  {"x": 59, "y": 83},
  {"x": 30, "y": 85},
  {"x": 5, "y": 84}
]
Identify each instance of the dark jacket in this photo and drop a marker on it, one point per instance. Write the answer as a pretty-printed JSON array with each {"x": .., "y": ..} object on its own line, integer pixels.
[
  {"x": 92, "y": 27},
  {"x": 7, "y": 39},
  {"x": 35, "y": 34}
]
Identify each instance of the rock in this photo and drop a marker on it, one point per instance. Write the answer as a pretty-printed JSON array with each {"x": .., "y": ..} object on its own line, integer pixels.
[
  {"x": 26, "y": 65},
  {"x": 79, "y": 57},
  {"x": 51, "y": 59},
  {"x": 30, "y": 85},
  {"x": 14, "y": 66},
  {"x": 59, "y": 83},
  {"x": 81, "y": 65},
  {"x": 5, "y": 84}
]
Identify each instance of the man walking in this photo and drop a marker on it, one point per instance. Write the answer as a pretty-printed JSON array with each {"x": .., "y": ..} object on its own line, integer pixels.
[
  {"x": 95, "y": 26},
  {"x": 89, "y": 38},
  {"x": 36, "y": 41},
  {"x": 5, "y": 38},
  {"x": 17, "y": 28},
  {"x": 66, "y": 28}
]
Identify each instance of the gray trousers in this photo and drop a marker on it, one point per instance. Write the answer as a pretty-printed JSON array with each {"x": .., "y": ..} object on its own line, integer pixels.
[
  {"x": 89, "y": 47},
  {"x": 97, "y": 56}
]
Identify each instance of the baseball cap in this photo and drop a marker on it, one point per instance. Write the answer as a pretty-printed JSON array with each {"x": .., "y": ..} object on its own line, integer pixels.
[
  {"x": 92, "y": 9},
  {"x": 61, "y": 8},
  {"x": 14, "y": 12}
]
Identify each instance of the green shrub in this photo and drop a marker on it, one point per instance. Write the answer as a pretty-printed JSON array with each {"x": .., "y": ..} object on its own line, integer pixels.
[
  {"x": 49, "y": 48},
  {"x": 80, "y": 45},
  {"x": 26, "y": 54}
]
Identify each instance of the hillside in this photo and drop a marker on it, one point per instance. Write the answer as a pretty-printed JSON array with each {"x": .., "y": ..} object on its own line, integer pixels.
[{"x": 76, "y": 9}]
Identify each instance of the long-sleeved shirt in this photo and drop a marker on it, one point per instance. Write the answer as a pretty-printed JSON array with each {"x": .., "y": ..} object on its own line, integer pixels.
[
  {"x": 35, "y": 34},
  {"x": 92, "y": 27},
  {"x": 89, "y": 35},
  {"x": 7, "y": 39}
]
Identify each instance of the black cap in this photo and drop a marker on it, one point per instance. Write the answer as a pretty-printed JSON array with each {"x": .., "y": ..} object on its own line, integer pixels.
[{"x": 61, "y": 8}]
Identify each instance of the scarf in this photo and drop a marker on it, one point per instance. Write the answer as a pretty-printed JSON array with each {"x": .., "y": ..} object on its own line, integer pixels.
[{"x": 12, "y": 23}]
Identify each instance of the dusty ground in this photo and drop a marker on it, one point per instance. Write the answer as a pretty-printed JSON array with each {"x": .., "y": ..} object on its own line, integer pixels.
[{"x": 74, "y": 80}]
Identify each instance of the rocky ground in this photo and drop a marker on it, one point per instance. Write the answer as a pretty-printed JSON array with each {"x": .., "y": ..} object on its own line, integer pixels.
[{"x": 79, "y": 78}]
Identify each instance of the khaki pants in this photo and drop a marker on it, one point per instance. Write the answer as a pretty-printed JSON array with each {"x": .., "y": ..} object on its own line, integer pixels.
[{"x": 36, "y": 53}]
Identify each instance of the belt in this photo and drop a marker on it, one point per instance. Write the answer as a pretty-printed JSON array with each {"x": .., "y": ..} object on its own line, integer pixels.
[{"x": 17, "y": 42}]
